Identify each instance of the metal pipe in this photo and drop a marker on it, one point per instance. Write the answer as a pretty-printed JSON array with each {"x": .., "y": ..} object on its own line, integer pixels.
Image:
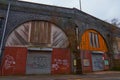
[
  {"x": 77, "y": 33},
  {"x": 80, "y": 5},
  {"x": 4, "y": 29}
]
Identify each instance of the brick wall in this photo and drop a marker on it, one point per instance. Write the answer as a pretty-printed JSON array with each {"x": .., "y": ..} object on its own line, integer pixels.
[{"x": 116, "y": 63}]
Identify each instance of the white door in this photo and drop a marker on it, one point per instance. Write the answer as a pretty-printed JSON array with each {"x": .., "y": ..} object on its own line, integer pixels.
[{"x": 38, "y": 63}]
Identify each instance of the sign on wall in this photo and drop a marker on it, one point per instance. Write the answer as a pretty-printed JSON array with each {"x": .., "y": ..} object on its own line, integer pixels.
[
  {"x": 86, "y": 62},
  {"x": 106, "y": 62}
]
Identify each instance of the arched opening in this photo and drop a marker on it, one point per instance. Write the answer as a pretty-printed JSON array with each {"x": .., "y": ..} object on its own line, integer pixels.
[
  {"x": 93, "y": 41},
  {"x": 93, "y": 51},
  {"x": 40, "y": 47},
  {"x": 39, "y": 34}
]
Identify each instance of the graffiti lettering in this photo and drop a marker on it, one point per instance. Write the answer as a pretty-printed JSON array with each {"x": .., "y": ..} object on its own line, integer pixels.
[
  {"x": 39, "y": 62},
  {"x": 9, "y": 62},
  {"x": 59, "y": 62},
  {"x": 98, "y": 64}
]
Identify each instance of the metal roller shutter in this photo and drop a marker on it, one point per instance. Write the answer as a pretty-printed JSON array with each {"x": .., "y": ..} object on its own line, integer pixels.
[
  {"x": 38, "y": 62},
  {"x": 97, "y": 62}
]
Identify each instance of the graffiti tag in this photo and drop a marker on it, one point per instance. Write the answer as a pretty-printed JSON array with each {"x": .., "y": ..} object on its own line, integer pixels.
[
  {"x": 59, "y": 62},
  {"x": 39, "y": 62},
  {"x": 9, "y": 62}
]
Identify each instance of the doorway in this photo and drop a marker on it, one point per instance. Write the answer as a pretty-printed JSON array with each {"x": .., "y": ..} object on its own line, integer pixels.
[
  {"x": 38, "y": 62},
  {"x": 97, "y": 62}
]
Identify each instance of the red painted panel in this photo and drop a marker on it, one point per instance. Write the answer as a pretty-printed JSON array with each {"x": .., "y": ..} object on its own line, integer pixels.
[
  {"x": 61, "y": 61},
  {"x": 0, "y": 70},
  {"x": 14, "y": 61},
  {"x": 86, "y": 55},
  {"x": 106, "y": 67},
  {"x": 105, "y": 56}
]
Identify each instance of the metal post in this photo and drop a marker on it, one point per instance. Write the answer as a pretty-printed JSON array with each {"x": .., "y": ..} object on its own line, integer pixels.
[
  {"x": 80, "y": 5},
  {"x": 77, "y": 32},
  {"x": 4, "y": 29}
]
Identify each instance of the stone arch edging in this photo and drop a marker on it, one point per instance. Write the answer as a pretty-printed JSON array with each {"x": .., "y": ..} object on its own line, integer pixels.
[
  {"x": 41, "y": 21},
  {"x": 14, "y": 24}
]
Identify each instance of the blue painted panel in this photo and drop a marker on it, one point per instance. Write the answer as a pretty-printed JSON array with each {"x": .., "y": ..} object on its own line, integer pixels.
[{"x": 97, "y": 62}]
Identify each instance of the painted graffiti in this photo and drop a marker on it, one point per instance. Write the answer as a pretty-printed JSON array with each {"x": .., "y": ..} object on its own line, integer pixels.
[
  {"x": 98, "y": 63},
  {"x": 59, "y": 62},
  {"x": 9, "y": 62},
  {"x": 39, "y": 62}
]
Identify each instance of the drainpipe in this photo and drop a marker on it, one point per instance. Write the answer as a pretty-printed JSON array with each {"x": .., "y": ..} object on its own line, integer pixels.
[
  {"x": 78, "y": 54},
  {"x": 4, "y": 30}
]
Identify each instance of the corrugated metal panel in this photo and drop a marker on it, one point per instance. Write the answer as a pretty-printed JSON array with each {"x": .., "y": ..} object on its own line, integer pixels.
[
  {"x": 40, "y": 49},
  {"x": 86, "y": 61},
  {"x": 97, "y": 62},
  {"x": 61, "y": 61},
  {"x": 14, "y": 61},
  {"x": 38, "y": 62}
]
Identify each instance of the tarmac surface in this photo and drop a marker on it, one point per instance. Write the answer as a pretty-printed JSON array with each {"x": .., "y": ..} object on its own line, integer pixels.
[{"x": 104, "y": 75}]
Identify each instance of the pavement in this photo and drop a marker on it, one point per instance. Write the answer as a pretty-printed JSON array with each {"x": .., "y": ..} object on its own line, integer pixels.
[{"x": 104, "y": 75}]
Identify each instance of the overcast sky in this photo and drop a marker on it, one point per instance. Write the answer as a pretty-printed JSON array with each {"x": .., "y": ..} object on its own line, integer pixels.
[{"x": 102, "y": 9}]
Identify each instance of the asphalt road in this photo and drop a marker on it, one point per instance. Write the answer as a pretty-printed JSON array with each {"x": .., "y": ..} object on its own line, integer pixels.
[{"x": 105, "y": 75}]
